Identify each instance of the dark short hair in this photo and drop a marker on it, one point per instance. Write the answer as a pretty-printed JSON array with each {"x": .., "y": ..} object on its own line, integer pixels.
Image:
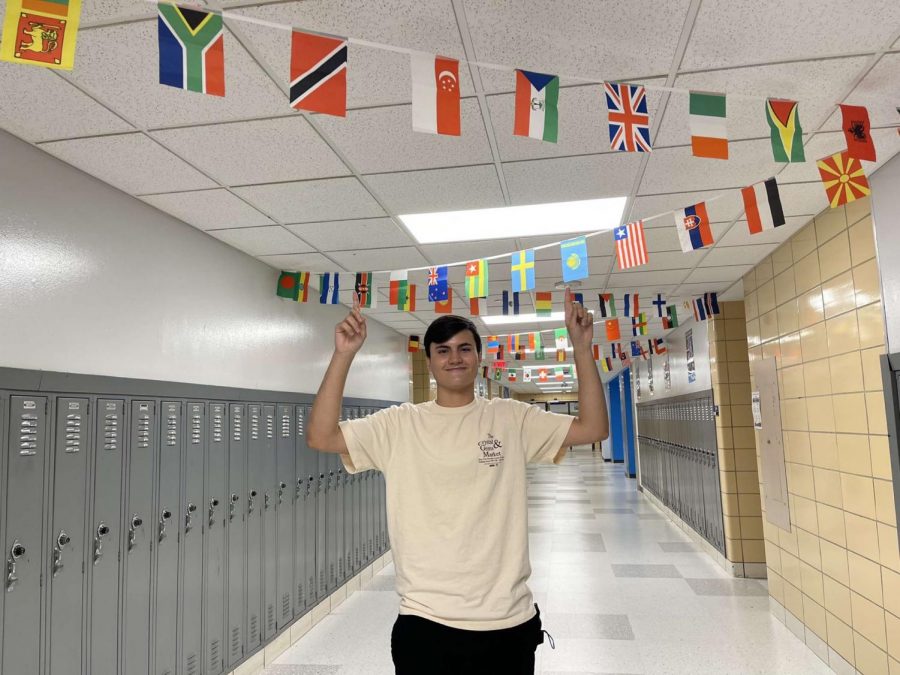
[{"x": 445, "y": 327}]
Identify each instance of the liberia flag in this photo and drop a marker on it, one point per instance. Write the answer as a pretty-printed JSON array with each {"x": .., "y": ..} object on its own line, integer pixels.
[
  {"x": 537, "y": 115},
  {"x": 692, "y": 223},
  {"x": 631, "y": 247},
  {"x": 435, "y": 94},
  {"x": 762, "y": 205},
  {"x": 318, "y": 73}
]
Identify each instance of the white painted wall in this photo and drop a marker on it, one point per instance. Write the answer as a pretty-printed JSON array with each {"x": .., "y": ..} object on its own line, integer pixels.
[
  {"x": 94, "y": 281},
  {"x": 675, "y": 344},
  {"x": 886, "y": 218}
]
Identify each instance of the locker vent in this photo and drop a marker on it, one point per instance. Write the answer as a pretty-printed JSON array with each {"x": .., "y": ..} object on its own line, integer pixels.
[
  {"x": 270, "y": 426},
  {"x": 285, "y": 605},
  {"x": 171, "y": 430},
  {"x": 285, "y": 426},
  {"x": 254, "y": 628},
  {"x": 270, "y": 617},
  {"x": 192, "y": 667},
  {"x": 235, "y": 642},
  {"x": 144, "y": 431},
  {"x": 300, "y": 597},
  {"x": 195, "y": 429},
  {"x": 214, "y": 655},
  {"x": 300, "y": 422},
  {"x": 217, "y": 427},
  {"x": 111, "y": 432}
]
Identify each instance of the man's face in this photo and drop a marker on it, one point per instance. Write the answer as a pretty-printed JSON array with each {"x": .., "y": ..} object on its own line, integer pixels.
[{"x": 454, "y": 363}]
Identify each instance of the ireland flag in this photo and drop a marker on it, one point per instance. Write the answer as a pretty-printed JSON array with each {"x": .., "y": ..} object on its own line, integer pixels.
[{"x": 537, "y": 96}]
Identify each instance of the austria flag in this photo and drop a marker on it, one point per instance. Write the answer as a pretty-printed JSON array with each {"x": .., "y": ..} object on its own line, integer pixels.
[{"x": 435, "y": 94}]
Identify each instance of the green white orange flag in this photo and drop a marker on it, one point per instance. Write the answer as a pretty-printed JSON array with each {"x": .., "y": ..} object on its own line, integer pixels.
[
  {"x": 787, "y": 135},
  {"x": 537, "y": 114},
  {"x": 709, "y": 135}
]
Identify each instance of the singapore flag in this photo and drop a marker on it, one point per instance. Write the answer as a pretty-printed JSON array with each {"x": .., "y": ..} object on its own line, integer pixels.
[{"x": 435, "y": 94}]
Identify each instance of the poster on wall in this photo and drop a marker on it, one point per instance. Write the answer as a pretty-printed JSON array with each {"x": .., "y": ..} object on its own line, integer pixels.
[
  {"x": 637, "y": 380},
  {"x": 650, "y": 375},
  {"x": 689, "y": 352},
  {"x": 667, "y": 374}
]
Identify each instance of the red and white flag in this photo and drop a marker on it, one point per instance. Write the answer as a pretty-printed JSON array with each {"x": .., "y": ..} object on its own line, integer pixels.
[
  {"x": 631, "y": 247},
  {"x": 435, "y": 94}
]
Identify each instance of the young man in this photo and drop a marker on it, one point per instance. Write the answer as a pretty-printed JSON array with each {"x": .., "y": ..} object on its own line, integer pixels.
[{"x": 456, "y": 495}]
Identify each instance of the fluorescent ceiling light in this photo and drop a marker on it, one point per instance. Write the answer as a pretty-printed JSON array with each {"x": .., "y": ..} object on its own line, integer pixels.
[
  {"x": 588, "y": 215},
  {"x": 500, "y": 319}
]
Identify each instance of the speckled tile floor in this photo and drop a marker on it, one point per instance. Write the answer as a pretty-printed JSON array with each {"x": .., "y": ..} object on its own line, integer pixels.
[{"x": 621, "y": 589}]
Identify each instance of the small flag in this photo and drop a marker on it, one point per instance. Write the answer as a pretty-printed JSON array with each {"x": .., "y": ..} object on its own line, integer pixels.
[
  {"x": 499, "y": 355},
  {"x": 631, "y": 246},
  {"x": 507, "y": 303},
  {"x": 542, "y": 374},
  {"x": 526, "y": 375},
  {"x": 607, "y": 304},
  {"x": 558, "y": 372},
  {"x": 329, "y": 286},
  {"x": 786, "y": 133},
  {"x": 42, "y": 32},
  {"x": 438, "y": 286},
  {"x": 711, "y": 302},
  {"x": 858, "y": 132},
  {"x": 659, "y": 346},
  {"x": 398, "y": 278},
  {"x": 444, "y": 306},
  {"x": 191, "y": 49},
  {"x": 304, "y": 287},
  {"x": 435, "y": 94},
  {"x": 762, "y": 206},
  {"x": 365, "y": 290},
  {"x": 631, "y": 304},
  {"x": 692, "y": 223},
  {"x": 476, "y": 307},
  {"x": 539, "y": 352},
  {"x": 537, "y": 114},
  {"x": 407, "y": 298},
  {"x": 413, "y": 344},
  {"x": 699, "y": 309},
  {"x": 612, "y": 329},
  {"x": 484, "y": 372},
  {"x": 561, "y": 336},
  {"x": 493, "y": 344},
  {"x": 635, "y": 348},
  {"x": 595, "y": 348},
  {"x": 522, "y": 270},
  {"x": 543, "y": 303},
  {"x": 639, "y": 325},
  {"x": 660, "y": 304},
  {"x": 536, "y": 344},
  {"x": 616, "y": 350},
  {"x": 606, "y": 364},
  {"x": 574, "y": 257},
  {"x": 709, "y": 137},
  {"x": 318, "y": 73},
  {"x": 512, "y": 343},
  {"x": 671, "y": 318},
  {"x": 579, "y": 298},
  {"x": 843, "y": 178},
  {"x": 498, "y": 373},
  {"x": 477, "y": 278},
  {"x": 531, "y": 341},
  {"x": 560, "y": 355},
  {"x": 288, "y": 285},
  {"x": 511, "y": 374},
  {"x": 629, "y": 121}
]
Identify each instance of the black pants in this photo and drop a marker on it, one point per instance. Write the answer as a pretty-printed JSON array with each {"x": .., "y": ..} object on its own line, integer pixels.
[{"x": 423, "y": 647}]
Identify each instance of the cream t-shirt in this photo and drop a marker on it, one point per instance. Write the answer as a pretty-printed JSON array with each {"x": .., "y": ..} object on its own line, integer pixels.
[{"x": 456, "y": 503}]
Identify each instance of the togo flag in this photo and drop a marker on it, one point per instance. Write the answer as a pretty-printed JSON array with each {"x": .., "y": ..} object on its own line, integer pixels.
[
  {"x": 762, "y": 205},
  {"x": 41, "y": 32},
  {"x": 537, "y": 114},
  {"x": 191, "y": 50}
]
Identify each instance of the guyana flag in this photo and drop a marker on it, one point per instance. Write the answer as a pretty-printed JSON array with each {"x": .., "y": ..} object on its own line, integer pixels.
[
  {"x": 787, "y": 135},
  {"x": 843, "y": 178},
  {"x": 41, "y": 32}
]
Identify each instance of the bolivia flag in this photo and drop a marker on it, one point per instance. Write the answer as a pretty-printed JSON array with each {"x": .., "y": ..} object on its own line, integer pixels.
[
  {"x": 709, "y": 137},
  {"x": 537, "y": 115},
  {"x": 692, "y": 224},
  {"x": 435, "y": 94},
  {"x": 543, "y": 303}
]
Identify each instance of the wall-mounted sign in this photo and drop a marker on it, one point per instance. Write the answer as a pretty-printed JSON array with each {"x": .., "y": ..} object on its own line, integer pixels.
[
  {"x": 689, "y": 352},
  {"x": 757, "y": 413}
]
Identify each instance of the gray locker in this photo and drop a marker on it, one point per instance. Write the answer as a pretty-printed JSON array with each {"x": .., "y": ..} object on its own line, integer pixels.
[
  {"x": 321, "y": 460},
  {"x": 331, "y": 519},
  {"x": 67, "y": 535},
  {"x": 215, "y": 492},
  {"x": 270, "y": 525},
  {"x": 138, "y": 532},
  {"x": 255, "y": 490},
  {"x": 104, "y": 538},
  {"x": 338, "y": 529},
  {"x": 347, "y": 491},
  {"x": 237, "y": 534},
  {"x": 191, "y": 524},
  {"x": 4, "y": 437},
  {"x": 24, "y": 491},
  {"x": 306, "y": 532},
  {"x": 166, "y": 535},
  {"x": 284, "y": 512}
]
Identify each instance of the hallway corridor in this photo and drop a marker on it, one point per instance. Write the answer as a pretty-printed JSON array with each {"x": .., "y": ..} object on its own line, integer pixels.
[{"x": 621, "y": 590}]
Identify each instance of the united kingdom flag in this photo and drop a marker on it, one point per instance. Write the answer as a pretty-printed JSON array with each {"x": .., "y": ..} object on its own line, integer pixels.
[{"x": 629, "y": 121}]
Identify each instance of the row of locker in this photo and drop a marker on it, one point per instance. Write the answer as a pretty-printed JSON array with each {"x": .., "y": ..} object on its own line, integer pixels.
[{"x": 155, "y": 537}]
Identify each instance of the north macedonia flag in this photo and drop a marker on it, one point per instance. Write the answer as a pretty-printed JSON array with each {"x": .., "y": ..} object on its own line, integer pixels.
[{"x": 843, "y": 178}]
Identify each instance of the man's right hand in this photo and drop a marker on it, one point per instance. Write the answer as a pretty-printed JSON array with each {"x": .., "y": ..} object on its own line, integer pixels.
[{"x": 350, "y": 333}]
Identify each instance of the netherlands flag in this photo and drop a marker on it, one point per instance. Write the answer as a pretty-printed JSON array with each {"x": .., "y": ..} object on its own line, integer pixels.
[{"x": 692, "y": 223}]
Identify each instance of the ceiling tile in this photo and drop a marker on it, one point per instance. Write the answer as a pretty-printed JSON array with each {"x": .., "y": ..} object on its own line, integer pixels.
[
  {"x": 374, "y": 76},
  {"x": 313, "y": 200},
  {"x": 262, "y": 240},
  {"x": 262, "y": 151},
  {"x": 798, "y": 199},
  {"x": 470, "y": 187},
  {"x": 887, "y": 144},
  {"x": 571, "y": 178},
  {"x": 562, "y": 37},
  {"x": 443, "y": 254},
  {"x": 345, "y": 235},
  {"x": 732, "y": 272},
  {"x": 696, "y": 290},
  {"x": 376, "y": 140},
  {"x": 208, "y": 209},
  {"x": 733, "y": 255},
  {"x": 375, "y": 259},
  {"x": 113, "y": 10},
  {"x": 120, "y": 65},
  {"x": 24, "y": 110},
  {"x": 662, "y": 239},
  {"x": 656, "y": 209},
  {"x": 668, "y": 260},
  {"x": 739, "y": 234},
  {"x": 130, "y": 162},
  {"x": 876, "y": 91},
  {"x": 652, "y": 279},
  {"x": 598, "y": 245},
  {"x": 728, "y": 33},
  {"x": 302, "y": 262}
]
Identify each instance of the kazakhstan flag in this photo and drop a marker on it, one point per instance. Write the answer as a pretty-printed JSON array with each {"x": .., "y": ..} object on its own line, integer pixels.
[{"x": 574, "y": 256}]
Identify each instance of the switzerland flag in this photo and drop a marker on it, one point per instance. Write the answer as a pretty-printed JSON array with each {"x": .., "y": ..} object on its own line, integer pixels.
[{"x": 435, "y": 94}]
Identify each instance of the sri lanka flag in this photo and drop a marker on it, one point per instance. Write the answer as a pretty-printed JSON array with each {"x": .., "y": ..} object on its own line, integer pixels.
[
  {"x": 537, "y": 114},
  {"x": 191, "y": 50},
  {"x": 692, "y": 223},
  {"x": 41, "y": 32}
]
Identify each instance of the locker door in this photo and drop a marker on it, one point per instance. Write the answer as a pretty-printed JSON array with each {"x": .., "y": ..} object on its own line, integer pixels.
[
  {"x": 166, "y": 532},
  {"x": 137, "y": 532},
  {"x": 302, "y": 500},
  {"x": 255, "y": 490},
  {"x": 237, "y": 534},
  {"x": 284, "y": 511},
  {"x": 382, "y": 529},
  {"x": 4, "y": 437},
  {"x": 321, "y": 463},
  {"x": 310, "y": 509},
  {"x": 215, "y": 493},
  {"x": 67, "y": 535},
  {"x": 190, "y": 609},
  {"x": 332, "y": 516},
  {"x": 270, "y": 524},
  {"x": 356, "y": 490},
  {"x": 105, "y": 537},
  {"x": 347, "y": 510},
  {"x": 338, "y": 505},
  {"x": 24, "y": 496}
]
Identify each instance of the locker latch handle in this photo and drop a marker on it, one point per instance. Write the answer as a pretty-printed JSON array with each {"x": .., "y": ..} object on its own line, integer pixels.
[
  {"x": 189, "y": 517},
  {"x": 281, "y": 486},
  {"x": 16, "y": 551},
  {"x": 213, "y": 503},
  {"x": 266, "y": 501},
  {"x": 300, "y": 488},
  {"x": 250, "y": 503},
  {"x": 62, "y": 540},
  {"x": 163, "y": 520},
  {"x": 136, "y": 522},
  {"x": 102, "y": 531},
  {"x": 231, "y": 506}
]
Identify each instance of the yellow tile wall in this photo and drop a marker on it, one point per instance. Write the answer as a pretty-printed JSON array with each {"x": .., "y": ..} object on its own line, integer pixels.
[
  {"x": 838, "y": 570},
  {"x": 420, "y": 381}
]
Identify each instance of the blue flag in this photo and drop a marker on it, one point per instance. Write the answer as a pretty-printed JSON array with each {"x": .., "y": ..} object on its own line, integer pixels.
[
  {"x": 574, "y": 257},
  {"x": 522, "y": 270},
  {"x": 329, "y": 286}
]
